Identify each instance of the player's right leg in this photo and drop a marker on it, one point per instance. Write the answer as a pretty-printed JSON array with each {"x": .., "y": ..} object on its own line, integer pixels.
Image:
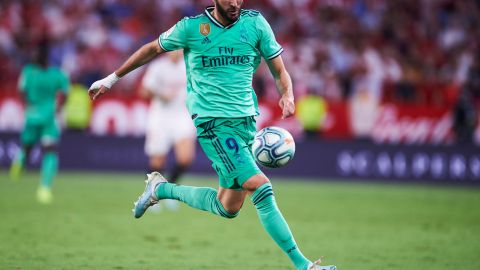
[{"x": 202, "y": 198}]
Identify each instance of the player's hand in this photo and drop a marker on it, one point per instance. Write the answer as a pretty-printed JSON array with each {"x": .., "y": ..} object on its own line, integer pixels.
[
  {"x": 94, "y": 92},
  {"x": 287, "y": 104},
  {"x": 100, "y": 87}
]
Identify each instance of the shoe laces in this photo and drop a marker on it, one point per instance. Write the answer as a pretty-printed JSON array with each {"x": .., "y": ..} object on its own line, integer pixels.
[{"x": 316, "y": 263}]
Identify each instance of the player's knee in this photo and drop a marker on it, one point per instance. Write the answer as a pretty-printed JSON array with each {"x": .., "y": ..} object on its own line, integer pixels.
[
  {"x": 230, "y": 213},
  {"x": 256, "y": 181}
]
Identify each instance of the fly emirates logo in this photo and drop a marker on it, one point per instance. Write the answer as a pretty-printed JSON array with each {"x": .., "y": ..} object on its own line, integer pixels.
[{"x": 226, "y": 57}]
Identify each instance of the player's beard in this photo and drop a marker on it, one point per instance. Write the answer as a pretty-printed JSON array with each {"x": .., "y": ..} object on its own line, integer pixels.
[{"x": 227, "y": 13}]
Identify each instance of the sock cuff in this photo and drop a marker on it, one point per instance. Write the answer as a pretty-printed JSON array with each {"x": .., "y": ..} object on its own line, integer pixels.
[
  {"x": 264, "y": 191},
  {"x": 221, "y": 210},
  {"x": 164, "y": 191}
]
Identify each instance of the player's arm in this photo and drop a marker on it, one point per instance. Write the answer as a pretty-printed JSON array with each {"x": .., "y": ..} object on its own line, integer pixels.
[
  {"x": 284, "y": 86},
  {"x": 142, "y": 56}
]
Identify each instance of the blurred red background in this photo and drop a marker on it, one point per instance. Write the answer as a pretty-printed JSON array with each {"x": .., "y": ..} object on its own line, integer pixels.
[{"x": 391, "y": 71}]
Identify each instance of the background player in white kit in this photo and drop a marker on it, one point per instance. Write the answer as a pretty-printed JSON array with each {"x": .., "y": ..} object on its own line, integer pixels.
[{"x": 168, "y": 124}]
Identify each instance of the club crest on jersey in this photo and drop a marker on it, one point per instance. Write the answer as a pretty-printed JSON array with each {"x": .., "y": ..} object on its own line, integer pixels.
[
  {"x": 243, "y": 35},
  {"x": 205, "y": 29}
]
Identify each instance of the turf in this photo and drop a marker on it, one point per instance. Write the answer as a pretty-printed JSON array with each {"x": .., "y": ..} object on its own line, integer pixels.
[{"x": 355, "y": 226}]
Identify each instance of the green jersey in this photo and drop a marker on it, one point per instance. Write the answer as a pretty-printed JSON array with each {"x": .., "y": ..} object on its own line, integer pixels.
[
  {"x": 40, "y": 87},
  {"x": 220, "y": 62}
]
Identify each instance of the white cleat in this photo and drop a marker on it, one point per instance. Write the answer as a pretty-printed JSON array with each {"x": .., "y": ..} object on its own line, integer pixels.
[
  {"x": 148, "y": 197},
  {"x": 316, "y": 266}
]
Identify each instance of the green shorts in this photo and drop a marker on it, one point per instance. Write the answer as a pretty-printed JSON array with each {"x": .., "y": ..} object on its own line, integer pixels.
[
  {"x": 227, "y": 142},
  {"x": 47, "y": 133}
]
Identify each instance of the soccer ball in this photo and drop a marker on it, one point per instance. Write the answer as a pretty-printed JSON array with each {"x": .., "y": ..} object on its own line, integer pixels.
[{"x": 273, "y": 147}]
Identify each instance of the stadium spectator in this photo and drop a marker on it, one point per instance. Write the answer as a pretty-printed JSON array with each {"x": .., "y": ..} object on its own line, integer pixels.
[
  {"x": 169, "y": 124},
  {"x": 430, "y": 44}
]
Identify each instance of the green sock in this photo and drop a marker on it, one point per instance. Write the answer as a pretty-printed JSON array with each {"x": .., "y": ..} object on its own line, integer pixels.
[
  {"x": 274, "y": 223},
  {"x": 203, "y": 198},
  {"x": 21, "y": 157},
  {"x": 49, "y": 168}
]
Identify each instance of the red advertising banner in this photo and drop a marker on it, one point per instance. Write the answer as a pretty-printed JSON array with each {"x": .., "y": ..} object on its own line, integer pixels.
[{"x": 387, "y": 123}]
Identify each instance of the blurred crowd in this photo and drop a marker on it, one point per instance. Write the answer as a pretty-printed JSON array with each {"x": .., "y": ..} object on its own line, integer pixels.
[{"x": 412, "y": 51}]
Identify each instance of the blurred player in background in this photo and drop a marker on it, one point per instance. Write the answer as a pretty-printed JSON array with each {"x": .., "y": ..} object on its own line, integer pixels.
[
  {"x": 169, "y": 124},
  {"x": 43, "y": 89},
  {"x": 223, "y": 47}
]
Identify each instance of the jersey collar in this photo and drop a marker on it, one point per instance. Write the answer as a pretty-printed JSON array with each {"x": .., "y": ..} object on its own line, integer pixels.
[{"x": 208, "y": 11}]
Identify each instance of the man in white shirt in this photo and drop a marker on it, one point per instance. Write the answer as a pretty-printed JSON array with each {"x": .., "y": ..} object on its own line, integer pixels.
[{"x": 168, "y": 124}]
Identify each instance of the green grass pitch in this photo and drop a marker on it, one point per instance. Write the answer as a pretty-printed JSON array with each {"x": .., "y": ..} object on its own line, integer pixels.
[{"x": 355, "y": 226}]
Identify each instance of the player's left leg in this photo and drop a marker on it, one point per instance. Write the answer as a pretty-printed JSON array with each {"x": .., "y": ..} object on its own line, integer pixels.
[{"x": 272, "y": 219}]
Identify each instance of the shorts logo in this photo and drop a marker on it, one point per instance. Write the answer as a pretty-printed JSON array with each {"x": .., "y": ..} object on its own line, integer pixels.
[{"x": 205, "y": 29}]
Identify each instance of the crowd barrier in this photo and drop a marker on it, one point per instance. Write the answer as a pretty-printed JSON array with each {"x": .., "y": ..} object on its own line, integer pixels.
[{"x": 316, "y": 159}]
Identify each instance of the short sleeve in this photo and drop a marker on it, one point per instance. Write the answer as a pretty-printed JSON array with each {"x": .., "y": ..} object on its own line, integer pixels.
[
  {"x": 268, "y": 45},
  {"x": 175, "y": 37}
]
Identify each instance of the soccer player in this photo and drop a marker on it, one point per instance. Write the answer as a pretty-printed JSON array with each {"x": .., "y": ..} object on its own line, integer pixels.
[
  {"x": 41, "y": 87},
  {"x": 223, "y": 47},
  {"x": 169, "y": 124}
]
